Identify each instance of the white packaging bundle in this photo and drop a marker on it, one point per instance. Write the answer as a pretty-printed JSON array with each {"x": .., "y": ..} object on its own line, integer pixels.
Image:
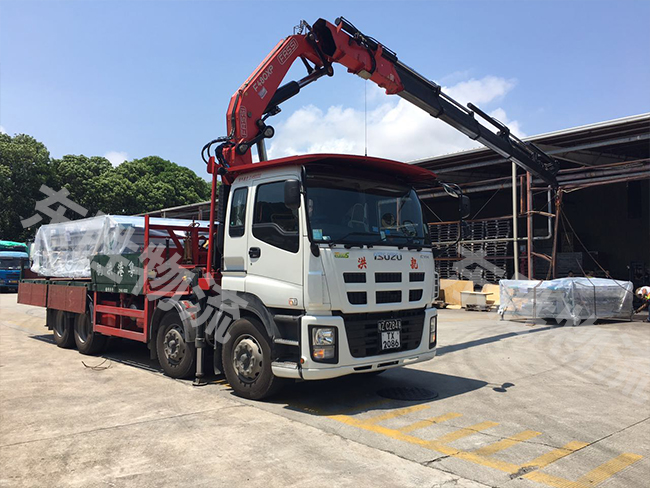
[
  {"x": 568, "y": 299},
  {"x": 64, "y": 250}
]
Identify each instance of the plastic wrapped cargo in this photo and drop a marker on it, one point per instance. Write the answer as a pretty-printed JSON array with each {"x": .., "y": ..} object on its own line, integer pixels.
[
  {"x": 573, "y": 300},
  {"x": 64, "y": 250}
]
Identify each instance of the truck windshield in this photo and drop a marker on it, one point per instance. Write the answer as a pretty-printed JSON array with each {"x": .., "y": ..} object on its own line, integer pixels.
[
  {"x": 363, "y": 210},
  {"x": 10, "y": 263}
]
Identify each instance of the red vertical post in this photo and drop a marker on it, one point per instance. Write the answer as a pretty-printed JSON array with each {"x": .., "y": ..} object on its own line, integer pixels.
[
  {"x": 213, "y": 199},
  {"x": 522, "y": 209},
  {"x": 558, "y": 209},
  {"x": 94, "y": 317},
  {"x": 145, "y": 279},
  {"x": 529, "y": 221},
  {"x": 522, "y": 203},
  {"x": 145, "y": 264},
  {"x": 195, "y": 245}
]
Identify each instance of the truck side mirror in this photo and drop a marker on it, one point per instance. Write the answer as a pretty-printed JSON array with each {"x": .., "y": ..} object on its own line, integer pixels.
[
  {"x": 464, "y": 206},
  {"x": 292, "y": 194}
]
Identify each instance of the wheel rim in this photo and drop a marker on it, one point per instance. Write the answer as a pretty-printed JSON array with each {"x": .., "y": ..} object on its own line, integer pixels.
[
  {"x": 174, "y": 345},
  {"x": 83, "y": 329},
  {"x": 59, "y": 326},
  {"x": 247, "y": 358}
]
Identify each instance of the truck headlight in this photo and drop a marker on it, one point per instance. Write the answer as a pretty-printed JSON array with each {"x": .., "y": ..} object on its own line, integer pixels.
[
  {"x": 433, "y": 329},
  {"x": 323, "y": 336},
  {"x": 323, "y": 344}
]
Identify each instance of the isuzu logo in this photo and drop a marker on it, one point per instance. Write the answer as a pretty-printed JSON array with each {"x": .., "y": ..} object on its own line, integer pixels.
[
  {"x": 287, "y": 51},
  {"x": 388, "y": 256},
  {"x": 258, "y": 85}
]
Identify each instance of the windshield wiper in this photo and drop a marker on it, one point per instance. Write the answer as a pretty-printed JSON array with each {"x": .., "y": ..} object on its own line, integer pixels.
[
  {"x": 409, "y": 244},
  {"x": 340, "y": 240}
]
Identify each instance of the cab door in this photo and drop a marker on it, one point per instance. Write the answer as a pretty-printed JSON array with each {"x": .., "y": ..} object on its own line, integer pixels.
[
  {"x": 235, "y": 255},
  {"x": 274, "y": 264}
]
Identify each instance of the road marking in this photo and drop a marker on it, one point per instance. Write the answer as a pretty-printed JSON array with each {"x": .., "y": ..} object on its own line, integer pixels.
[
  {"x": 506, "y": 443},
  {"x": 592, "y": 478},
  {"x": 466, "y": 431},
  {"x": 607, "y": 470},
  {"x": 427, "y": 422},
  {"x": 551, "y": 457},
  {"x": 347, "y": 410},
  {"x": 435, "y": 445},
  {"x": 394, "y": 413},
  {"x": 440, "y": 445}
]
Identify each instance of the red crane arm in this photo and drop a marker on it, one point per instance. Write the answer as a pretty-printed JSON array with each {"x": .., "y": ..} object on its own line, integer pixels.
[
  {"x": 321, "y": 45},
  {"x": 255, "y": 97},
  {"x": 248, "y": 104}
]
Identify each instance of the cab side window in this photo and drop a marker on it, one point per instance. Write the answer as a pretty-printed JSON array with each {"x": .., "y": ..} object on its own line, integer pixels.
[
  {"x": 273, "y": 222},
  {"x": 236, "y": 227}
]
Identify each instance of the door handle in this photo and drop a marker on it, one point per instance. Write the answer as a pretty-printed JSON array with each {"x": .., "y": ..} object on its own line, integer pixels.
[{"x": 254, "y": 252}]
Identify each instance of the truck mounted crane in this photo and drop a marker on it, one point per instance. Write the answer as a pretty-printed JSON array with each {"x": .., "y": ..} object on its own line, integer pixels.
[{"x": 327, "y": 257}]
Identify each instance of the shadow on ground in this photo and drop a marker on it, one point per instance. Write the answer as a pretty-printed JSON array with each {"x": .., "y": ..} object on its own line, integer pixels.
[
  {"x": 121, "y": 351},
  {"x": 359, "y": 392}
]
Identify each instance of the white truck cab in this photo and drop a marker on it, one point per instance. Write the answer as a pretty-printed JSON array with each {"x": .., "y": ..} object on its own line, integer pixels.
[{"x": 335, "y": 251}]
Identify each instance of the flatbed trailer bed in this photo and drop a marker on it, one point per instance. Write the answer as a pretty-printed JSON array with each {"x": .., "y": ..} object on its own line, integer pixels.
[{"x": 119, "y": 306}]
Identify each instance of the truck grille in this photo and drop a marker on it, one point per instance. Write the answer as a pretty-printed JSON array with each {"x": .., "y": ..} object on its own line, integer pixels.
[
  {"x": 388, "y": 277},
  {"x": 415, "y": 295},
  {"x": 354, "y": 277},
  {"x": 363, "y": 335},
  {"x": 357, "y": 297},
  {"x": 390, "y": 296},
  {"x": 416, "y": 277}
]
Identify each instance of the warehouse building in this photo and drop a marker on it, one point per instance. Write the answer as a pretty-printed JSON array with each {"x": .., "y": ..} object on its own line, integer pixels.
[{"x": 604, "y": 223}]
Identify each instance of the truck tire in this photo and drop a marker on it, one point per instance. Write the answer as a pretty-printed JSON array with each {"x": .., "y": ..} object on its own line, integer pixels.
[
  {"x": 177, "y": 357},
  {"x": 88, "y": 341},
  {"x": 247, "y": 361},
  {"x": 62, "y": 330}
]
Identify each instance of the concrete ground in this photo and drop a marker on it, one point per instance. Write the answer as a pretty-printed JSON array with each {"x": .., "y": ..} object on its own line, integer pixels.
[{"x": 518, "y": 406}]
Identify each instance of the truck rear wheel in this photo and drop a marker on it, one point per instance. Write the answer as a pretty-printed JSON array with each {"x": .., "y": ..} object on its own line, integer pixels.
[
  {"x": 62, "y": 330},
  {"x": 88, "y": 341},
  {"x": 247, "y": 361},
  {"x": 177, "y": 357}
]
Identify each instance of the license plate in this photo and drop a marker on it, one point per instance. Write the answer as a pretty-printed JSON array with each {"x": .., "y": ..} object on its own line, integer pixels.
[
  {"x": 390, "y": 340},
  {"x": 390, "y": 333},
  {"x": 13, "y": 282}
]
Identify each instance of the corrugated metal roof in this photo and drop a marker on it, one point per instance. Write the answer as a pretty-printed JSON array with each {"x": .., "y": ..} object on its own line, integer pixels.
[{"x": 601, "y": 131}]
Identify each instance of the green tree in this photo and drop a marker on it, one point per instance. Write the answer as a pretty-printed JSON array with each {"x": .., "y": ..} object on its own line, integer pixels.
[
  {"x": 79, "y": 175},
  {"x": 153, "y": 183},
  {"x": 134, "y": 187},
  {"x": 24, "y": 167}
]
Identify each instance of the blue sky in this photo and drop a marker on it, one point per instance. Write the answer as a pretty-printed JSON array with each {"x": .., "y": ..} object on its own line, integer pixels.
[{"x": 145, "y": 77}]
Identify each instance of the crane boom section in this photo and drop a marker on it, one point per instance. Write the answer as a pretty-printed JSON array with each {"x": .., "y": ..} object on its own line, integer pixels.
[{"x": 323, "y": 44}]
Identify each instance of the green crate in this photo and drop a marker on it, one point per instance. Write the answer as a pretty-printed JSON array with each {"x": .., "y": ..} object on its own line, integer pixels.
[{"x": 121, "y": 273}]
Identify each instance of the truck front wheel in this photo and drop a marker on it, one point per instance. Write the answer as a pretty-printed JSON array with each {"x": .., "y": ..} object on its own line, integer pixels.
[
  {"x": 63, "y": 335},
  {"x": 247, "y": 361},
  {"x": 177, "y": 358}
]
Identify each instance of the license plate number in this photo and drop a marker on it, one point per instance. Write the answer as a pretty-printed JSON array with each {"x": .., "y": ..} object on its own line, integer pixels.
[
  {"x": 389, "y": 325},
  {"x": 390, "y": 340},
  {"x": 390, "y": 333}
]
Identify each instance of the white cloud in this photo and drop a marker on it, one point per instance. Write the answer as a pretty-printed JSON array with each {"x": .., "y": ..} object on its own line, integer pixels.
[
  {"x": 2, "y": 130},
  {"x": 513, "y": 125},
  {"x": 396, "y": 128},
  {"x": 480, "y": 91},
  {"x": 116, "y": 158}
]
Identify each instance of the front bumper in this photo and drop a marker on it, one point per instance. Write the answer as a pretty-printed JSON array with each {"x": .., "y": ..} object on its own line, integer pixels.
[{"x": 347, "y": 364}]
